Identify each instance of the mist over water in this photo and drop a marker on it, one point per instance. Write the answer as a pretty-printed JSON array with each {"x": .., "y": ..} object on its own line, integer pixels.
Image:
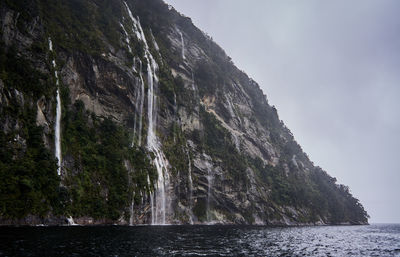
[{"x": 373, "y": 240}]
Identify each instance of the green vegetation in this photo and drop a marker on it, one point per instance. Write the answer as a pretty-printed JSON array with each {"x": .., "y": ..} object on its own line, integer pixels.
[
  {"x": 317, "y": 192},
  {"x": 28, "y": 176},
  {"x": 209, "y": 78},
  {"x": 101, "y": 171},
  {"x": 82, "y": 25},
  {"x": 335, "y": 200},
  {"x": 26, "y": 9},
  {"x": 100, "y": 185},
  {"x": 95, "y": 181},
  {"x": 17, "y": 72},
  {"x": 175, "y": 149},
  {"x": 217, "y": 142},
  {"x": 200, "y": 209},
  {"x": 28, "y": 179}
]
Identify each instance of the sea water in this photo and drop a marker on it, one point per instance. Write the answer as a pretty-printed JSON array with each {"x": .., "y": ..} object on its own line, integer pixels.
[{"x": 372, "y": 240}]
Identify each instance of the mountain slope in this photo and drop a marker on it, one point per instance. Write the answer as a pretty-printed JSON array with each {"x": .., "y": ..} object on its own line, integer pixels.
[{"x": 156, "y": 123}]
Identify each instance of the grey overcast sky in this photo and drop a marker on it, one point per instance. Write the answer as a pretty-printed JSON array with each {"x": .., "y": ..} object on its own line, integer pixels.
[{"x": 332, "y": 69}]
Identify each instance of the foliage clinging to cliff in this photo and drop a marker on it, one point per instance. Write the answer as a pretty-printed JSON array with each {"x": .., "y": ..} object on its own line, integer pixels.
[{"x": 103, "y": 174}]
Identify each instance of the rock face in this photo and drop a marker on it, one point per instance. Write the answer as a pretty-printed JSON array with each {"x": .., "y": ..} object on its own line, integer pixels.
[{"x": 158, "y": 126}]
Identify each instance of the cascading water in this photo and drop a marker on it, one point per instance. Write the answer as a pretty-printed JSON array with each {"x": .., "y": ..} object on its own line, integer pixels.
[
  {"x": 209, "y": 184},
  {"x": 151, "y": 201},
  {"x": 131, "y": 209},
  {"x": 235, "y": 135},
  {"x": 196, "y": 94},
  {"x": 126, "y": 38},
  {"x": 71, "y": 221},
  {"x": 183, "y": 46},
  {"x": 139, "y": 100},
  {"x": 193, "y": 85},
  {"x": 141, "y": 103},
  {"x": 153, "y": 39},
  {"x": 160, "y": 198},
  {"x": 210, "y": 179},
  {"x": 190, "y": 184},
  {"x": 57, "y": 128}
]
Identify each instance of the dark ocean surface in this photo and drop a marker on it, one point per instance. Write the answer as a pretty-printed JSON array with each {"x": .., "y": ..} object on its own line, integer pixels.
[{"x": 372, "y": 240}]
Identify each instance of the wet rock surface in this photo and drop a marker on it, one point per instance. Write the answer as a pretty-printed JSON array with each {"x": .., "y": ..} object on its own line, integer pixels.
[{"x": 221, "y": 152}]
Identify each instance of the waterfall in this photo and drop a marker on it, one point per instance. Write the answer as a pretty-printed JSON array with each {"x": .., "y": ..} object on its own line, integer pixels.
[
  {"x": 153, "y": 217},
  {"x": 160, "y": 198},
  {"x": 139, "y": 100},
  {"x": 58, "y": 131},
  {"x": 183, "y": 46},
  {"x": 208, "y": 195},
  {"x": 57, "y": 128},
  {"x": 209, "y": 185},
  {"x": 135, "y": 28},
  {"x": 195, "y": 94},
  {"x": 154, "y": 41},
  {"x": 141, "y": 103},
  {"x": 193, "y": 85},
  {"x": 234, "y": 134},
  {"x": 126, "y": 38},
  {"x": 71, "y": 221},
  {"x": 131, "y": 209},
  {"x": 190, "y": 185},
  {"x": 151, "y": 200},
  {"x": 190, "y": 181}
]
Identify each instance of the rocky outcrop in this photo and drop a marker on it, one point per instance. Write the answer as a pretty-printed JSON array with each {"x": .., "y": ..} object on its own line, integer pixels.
[{"x": 219, "y": 152}]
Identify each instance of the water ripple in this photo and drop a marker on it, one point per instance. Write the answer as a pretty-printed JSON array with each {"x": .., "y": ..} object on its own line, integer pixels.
[{"x": 373, "y": 240}]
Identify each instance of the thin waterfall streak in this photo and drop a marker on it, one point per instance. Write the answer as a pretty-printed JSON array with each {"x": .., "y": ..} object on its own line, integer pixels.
[
  {"x": 150, "y": 107},
  {"x": 57, "y": 136},
  {"x": 141, "y": 105},
  {"x": 126, "y": 37},
  {"x": 209, "y": 182},
  {"x": 139, "y": 95},
  {"x": 183, "y": 46},
  {"x": 152, "y": 208},
  {"x": 131, "y": 210},
  {"x": 193, "y": 85},
  {"x": 190, "y": 185},
  {"x": 58, "y": 132},
  {"x": 154, "y": 41},
  {"x": 134, "y": 120},
  {"x": 71, "y": 221}
]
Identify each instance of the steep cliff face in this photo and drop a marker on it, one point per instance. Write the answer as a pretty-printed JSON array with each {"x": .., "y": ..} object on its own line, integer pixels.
[{"x": 156, "y": 125}]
